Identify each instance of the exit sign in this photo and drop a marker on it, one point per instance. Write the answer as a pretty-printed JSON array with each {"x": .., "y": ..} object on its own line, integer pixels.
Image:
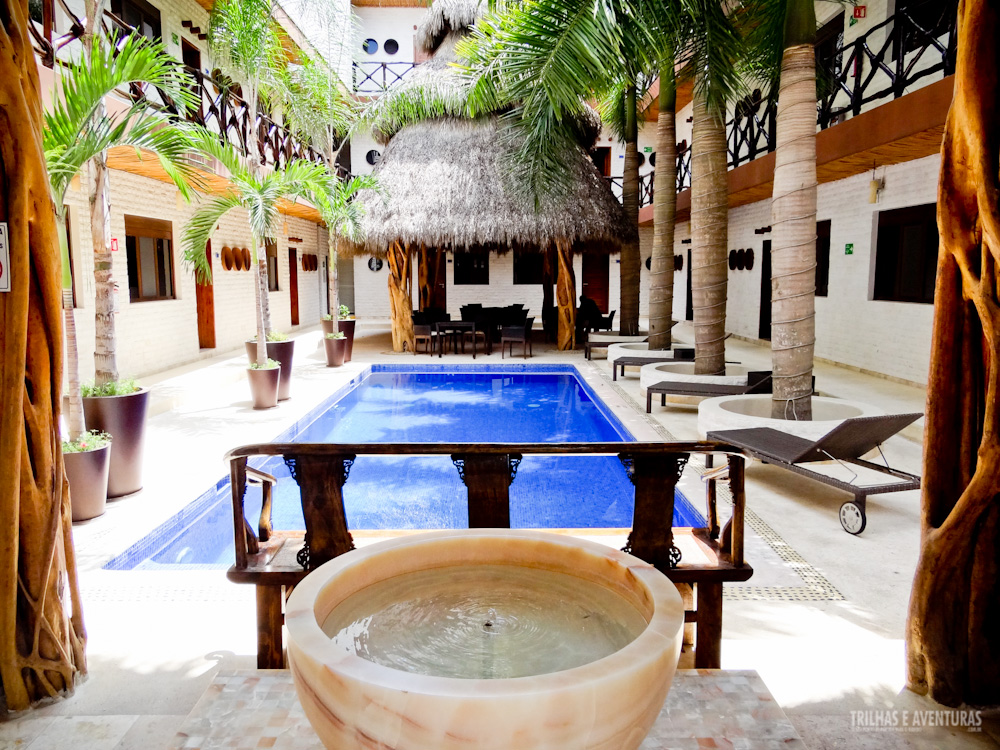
[
  {"x": 849, "y": 248},
  {"x": 860, "y": 11}
]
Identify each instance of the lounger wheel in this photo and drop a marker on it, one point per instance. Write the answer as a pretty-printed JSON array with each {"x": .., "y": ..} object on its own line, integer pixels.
[{"x": 852, "y": 517}]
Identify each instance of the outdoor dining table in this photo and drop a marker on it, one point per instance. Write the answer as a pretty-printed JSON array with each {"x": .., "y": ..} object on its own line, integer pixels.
[{"x": 455, "y": 329}]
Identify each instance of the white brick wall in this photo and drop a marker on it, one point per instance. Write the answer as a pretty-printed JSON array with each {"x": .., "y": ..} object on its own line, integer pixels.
[
  {"x": 892, "y": 338},
  {"x": 157, "y": 335}
]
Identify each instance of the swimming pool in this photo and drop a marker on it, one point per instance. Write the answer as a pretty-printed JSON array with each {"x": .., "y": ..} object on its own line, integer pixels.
[{"x": 428, "y": 404}]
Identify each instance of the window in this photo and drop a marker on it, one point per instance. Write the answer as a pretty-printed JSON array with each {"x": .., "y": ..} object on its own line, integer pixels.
[
  {"x": 829, "y": 38},
  {"x": 906, "y": 254},
  {"x": 140, "y": 15},
  {"x": 822, "y": 258},
  {"x": 529, "y": 267},
  {"x": 472, "y": 267},
  {"x": 271, "y": 253},
  {"x": 149, "y": 247},
  {"x": 370, "y": 46},
  {"x": 391, "y": 47}
]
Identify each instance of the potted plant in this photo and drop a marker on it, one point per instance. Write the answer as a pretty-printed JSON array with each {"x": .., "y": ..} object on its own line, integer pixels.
[
  {"x": 336, "y": 348},
  {"x": 345, "y": 323},
  {"x": 327, "y": 322},
  {"x": 264, "y": 380},
  {"x": 87, "y": 459},
  {"x": 119, "y": 408},
  {"x": 279, "y": 348}
]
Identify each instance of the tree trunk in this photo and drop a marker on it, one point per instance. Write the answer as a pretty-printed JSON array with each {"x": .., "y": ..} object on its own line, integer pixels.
[
  {"x": 566, "y": 296},
  {"x": 105, "y": 339},
  {"x": 424, "y": 274},
  {"x": 260, "y": 271},
  {"x": 401, "y": 306},
  {"x": 793, "y": 222},
  {"x": 709, "y": 231},
  {"x": 42, "y": 638},
  {"x": 953, "y": 628},
  {"x": 262, "y": 294},
  {"x": 661, "y": 279},
  {"x": 74, "y": 420},
  {"x": 630, "y": 261},
  {"x": 333, "y": 281}
]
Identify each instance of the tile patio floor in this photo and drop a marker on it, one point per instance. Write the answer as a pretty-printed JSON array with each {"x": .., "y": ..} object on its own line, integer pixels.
[{"x": 821, "y": 620}]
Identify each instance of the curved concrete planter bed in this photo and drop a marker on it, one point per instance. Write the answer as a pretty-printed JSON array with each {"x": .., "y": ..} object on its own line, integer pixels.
[
  {"x": 683, "y": 372},
  {"x": 743, "y": 412}
]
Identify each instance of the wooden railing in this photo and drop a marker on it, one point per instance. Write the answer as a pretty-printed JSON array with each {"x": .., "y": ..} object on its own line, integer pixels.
[
  {"x": 275, "y": 561},
  {"x": 645, "y": 188},
  {"x": 373, "y": 78}
]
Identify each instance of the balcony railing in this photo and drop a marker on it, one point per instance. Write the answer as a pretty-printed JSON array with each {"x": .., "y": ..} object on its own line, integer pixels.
[
  {"x": 219, "y": 110},
  {"x": 373, "y": 78},
  {"x": 645, "y": 188},
  {"x": 880, "y": 65}
]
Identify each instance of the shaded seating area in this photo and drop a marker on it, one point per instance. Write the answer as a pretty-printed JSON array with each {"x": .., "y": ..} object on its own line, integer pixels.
[
  {"x": 844, "y": 444},
  {"x": 697, "y": 560},
  {"x": 757, "y": 382}
]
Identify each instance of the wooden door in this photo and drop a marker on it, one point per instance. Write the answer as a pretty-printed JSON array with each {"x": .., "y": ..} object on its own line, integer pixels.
[
  {"x": 595, "y": 279},
  {"x": 205, "y": 300},
  {"x": 293, "y": 284},
  {"x": 765, "y": 291}
]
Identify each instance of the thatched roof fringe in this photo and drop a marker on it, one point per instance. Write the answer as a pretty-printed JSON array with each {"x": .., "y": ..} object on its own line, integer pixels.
[
  {"x": 445, "y": 16},
  {"x": 443, "y": 187}
]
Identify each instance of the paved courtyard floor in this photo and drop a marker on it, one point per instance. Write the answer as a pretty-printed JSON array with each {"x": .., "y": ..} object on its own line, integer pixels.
[{"x": 821, "y": 620}]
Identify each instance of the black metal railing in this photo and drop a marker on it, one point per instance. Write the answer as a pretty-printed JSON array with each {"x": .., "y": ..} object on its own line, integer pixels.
[{"x": 373, "y": 78}]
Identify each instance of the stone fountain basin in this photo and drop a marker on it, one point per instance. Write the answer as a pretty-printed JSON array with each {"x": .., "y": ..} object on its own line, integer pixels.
[{"x": 608, "y": 704}]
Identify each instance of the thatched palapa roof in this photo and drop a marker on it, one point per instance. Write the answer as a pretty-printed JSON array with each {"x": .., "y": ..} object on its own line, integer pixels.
[{"x": 442, "y": 178}]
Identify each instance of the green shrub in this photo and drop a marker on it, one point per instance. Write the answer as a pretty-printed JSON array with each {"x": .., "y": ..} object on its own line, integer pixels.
[
  {"x": 337, "y": 335},
  {"x": 88, "y": 441},
  {"x": 344, "y": 311},
  {"x": 120, "y": 387},
  {"x": 269, "y": 365}
]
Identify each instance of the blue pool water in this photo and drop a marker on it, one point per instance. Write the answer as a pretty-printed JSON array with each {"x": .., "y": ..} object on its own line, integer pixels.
[{"x": 507, "y": 404}]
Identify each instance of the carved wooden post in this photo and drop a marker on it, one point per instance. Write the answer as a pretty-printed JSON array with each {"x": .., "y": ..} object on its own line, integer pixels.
[
  {"x": 488, "y": 478},
  {"x": 401, "y": 305},
  {"x": 321, "y": 480},
  {"x": 566, "y": 296},
  {"x": 654, "y": 478}
]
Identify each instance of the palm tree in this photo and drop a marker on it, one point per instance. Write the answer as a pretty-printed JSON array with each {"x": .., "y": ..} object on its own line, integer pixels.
[
  {"x": 783, "y": 38},
  {"x": 661, "y": 280},
  {"x": 246, "y": 46},
  {"x": 78, "y": 131},
  {"x": 544, "y": 58},
  {"x": 261, "y": 196},
  {"x": 320, "y": 111}
]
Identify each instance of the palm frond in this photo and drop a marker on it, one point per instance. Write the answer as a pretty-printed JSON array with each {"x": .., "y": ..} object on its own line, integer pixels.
[
  {"x": 714, "y": 47},
  {"x": 246, "y": 45},
  {"x": 318, "y": 108},
  {"x": 198, "y": 231},
  {"x": 73, "y": 134}
]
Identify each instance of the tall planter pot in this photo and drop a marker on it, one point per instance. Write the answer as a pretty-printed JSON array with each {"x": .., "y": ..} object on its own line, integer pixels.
[
  {"x": 327, "y": 326},
  {"x": 283, "y": 352},
  {"x": 336, "y": 351},
  {"x": 87, "y": 474},
  {"x": 347, "y": 327},
  {"x": 264, "y": 387},
  {"x": 124, "y": 418}
]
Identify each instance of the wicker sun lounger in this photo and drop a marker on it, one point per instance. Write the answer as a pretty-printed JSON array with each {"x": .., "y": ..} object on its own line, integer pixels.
[
  {"x": 757, "y": 382},
  {"x": 845, "y": 444}
]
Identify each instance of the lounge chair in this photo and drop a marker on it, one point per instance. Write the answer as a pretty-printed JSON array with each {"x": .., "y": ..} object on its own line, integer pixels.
[
  {"x": 757, "y": 382},
  {"x": 678, "y": 354},
  {"x": 845, "y": 444}
]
